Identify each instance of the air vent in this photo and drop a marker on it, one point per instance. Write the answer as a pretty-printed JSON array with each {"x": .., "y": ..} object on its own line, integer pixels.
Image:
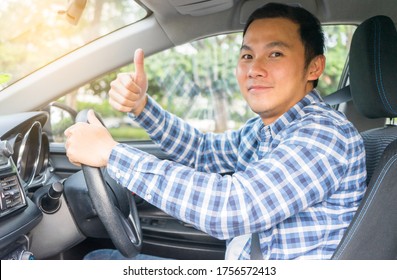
[{"x": 12, "y": 195}]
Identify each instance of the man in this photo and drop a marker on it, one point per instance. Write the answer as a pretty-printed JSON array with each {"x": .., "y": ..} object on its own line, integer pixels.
[{"x": 299, "y": 167}]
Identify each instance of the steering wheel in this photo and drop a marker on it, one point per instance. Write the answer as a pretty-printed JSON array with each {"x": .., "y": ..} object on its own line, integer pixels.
[{"x": 124, "y": 231}]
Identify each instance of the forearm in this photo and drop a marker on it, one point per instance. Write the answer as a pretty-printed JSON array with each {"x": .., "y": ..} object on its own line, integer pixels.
[{"x": 185, "y": 144}]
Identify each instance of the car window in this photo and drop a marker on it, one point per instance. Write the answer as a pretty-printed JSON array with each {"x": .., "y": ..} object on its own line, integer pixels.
[
  {"x": 35, "y": 33},
  {"x": 337, "y": 43},
  {"x": 196, "y": 81}
]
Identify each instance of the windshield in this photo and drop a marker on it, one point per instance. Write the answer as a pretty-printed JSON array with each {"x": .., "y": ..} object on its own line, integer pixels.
[{"x": 34, "y": 33}]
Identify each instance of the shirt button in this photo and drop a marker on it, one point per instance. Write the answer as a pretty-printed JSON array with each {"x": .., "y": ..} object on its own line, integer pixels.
[
  {"x": 148, "y": 196},
  {"x": 118, "y": 175}
]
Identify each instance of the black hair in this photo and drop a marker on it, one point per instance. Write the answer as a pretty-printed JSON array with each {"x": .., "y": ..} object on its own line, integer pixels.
[{"x": 310, "y": 29}]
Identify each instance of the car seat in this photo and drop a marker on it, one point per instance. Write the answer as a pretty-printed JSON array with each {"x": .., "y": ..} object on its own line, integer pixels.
[{"x": 372, "y": 233}]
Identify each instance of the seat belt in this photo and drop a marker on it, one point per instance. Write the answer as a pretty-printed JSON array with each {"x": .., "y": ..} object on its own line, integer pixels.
[
  {"x": 256, "y": 253},
  {"x": 340, "y": 96}
]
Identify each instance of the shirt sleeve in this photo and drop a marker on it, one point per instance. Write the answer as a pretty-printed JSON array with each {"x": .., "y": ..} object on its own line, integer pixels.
[
  {"x": 207, "y": 152},
  {"x": 286, "y": 180}
]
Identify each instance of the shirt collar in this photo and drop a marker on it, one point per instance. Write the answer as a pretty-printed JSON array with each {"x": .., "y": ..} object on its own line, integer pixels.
[{"x": 293, "y": 113}]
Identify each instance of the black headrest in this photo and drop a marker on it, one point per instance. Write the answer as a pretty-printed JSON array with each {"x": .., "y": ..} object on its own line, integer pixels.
[{"x": 373, "y": 68}]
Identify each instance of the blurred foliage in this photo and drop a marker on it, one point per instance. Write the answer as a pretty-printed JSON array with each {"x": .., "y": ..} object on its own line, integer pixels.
[
  {"x": 338, "y": 39},
  {"x": 127, "y": 133}
]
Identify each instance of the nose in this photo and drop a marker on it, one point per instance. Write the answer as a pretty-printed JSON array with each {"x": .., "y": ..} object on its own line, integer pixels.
[{"x": 257, "y": 69}]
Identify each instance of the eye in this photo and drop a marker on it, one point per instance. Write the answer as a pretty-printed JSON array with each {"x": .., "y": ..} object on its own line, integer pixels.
[
  {"x": 276, "y": 54},
  {"x": 246, "y": 56}
]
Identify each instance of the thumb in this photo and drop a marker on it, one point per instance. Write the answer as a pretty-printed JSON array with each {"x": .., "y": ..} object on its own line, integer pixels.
[
  {"x": 139, "y": 66},
  {"x": 92, "y": 118}
]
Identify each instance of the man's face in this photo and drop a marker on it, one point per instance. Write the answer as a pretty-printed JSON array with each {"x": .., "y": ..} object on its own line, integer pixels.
[{"x": 271, "y": 69}]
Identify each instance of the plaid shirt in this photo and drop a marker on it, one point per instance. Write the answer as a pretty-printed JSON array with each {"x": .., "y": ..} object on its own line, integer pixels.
[{"x": 297, "y": 181}]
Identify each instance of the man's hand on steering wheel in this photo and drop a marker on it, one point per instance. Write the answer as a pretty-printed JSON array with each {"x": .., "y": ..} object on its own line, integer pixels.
[
  {"x": 88, "y": 141},
  {"x": 89, "y": 144}
]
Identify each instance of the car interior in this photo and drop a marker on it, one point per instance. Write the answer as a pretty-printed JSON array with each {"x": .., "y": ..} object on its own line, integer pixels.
[{"x": 54, "y": 210}]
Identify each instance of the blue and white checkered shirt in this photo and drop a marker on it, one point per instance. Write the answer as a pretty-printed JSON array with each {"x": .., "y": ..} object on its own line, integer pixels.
[{"x": 297, "y": 181}]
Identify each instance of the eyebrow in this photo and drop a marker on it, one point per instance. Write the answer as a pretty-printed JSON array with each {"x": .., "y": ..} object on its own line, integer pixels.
[{"x": 267, "y": 46}]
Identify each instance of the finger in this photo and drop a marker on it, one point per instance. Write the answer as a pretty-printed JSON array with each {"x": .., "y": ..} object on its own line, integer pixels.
[
  {"x": 122, "y": 98},
  {"x": 74, "y": 162},
  {"x": 92, "y": 118},
  {"x": 118, "y": 106},
  {"x": 68, "y": 131},
  {"x": 139, "y": 66},
  {"x": 125, "y": 86},
  {"x": 70, "y": 155}
]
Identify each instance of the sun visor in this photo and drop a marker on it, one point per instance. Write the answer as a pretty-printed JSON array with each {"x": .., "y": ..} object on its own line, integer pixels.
[{"x": 201, "y": 8}]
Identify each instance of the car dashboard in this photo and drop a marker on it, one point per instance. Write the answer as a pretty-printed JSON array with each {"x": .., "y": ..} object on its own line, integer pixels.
[{"x": 24, "y": 152}]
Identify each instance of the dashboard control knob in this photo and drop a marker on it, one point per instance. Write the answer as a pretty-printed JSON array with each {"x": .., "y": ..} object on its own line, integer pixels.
[{"x": 51, "y": 202}]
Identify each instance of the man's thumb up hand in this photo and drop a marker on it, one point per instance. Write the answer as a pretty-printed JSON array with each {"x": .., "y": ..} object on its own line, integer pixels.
[{"x": 128, "y": 91}]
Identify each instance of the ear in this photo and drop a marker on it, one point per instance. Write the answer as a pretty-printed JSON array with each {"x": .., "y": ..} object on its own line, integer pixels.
[{"x": 316, "y": 68}]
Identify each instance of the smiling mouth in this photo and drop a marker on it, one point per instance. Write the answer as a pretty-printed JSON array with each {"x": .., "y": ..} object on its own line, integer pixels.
[{"x": 258, "y": 88}]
